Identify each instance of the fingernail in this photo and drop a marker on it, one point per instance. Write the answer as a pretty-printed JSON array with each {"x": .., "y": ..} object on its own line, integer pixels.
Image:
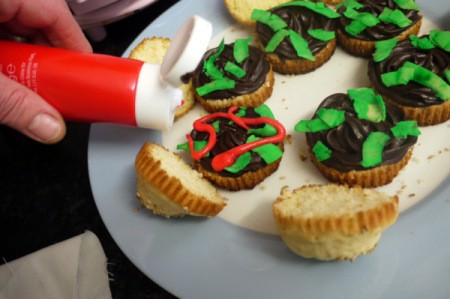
[{"x": 44, "y": 127}]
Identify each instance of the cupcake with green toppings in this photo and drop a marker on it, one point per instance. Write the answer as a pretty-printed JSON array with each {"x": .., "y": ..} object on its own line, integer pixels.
[
  {"x": 365, "y": 22},
  {"x": 355, "y": 138},
  {"x": 414, "y": 74},
  {"x": 236, "y": 149},
  {"x": 298, "y": 36},
  {"x": 236, "y": 74}
]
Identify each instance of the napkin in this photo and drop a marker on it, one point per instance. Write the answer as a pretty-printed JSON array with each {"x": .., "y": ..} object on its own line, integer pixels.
[{"x": 75, "y": 268}]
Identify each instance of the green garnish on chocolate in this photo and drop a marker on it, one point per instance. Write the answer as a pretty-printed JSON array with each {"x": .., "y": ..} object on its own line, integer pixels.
[
  {"x": 350, "y": 3},
  {"x": 198, "y": 146},
  {"x": 384, "y": 48},
  {"x": 318, "y": 7},
  {"x": 241, "y": 162},
  {"x": 220, "y": 84},
  {"x": 423, "y": 43},
  {"x": 396, "y": 17},
  {"x": 447, "y": 75},
  {"x": 367, "y": 104},
  {"x": 372, "y": 151},
  {"x": 407, "y": 4},
  {"x": 210, "y": 68},
  {"x": 267, "y": 130},
  {"x": 321, "y": 151},
  {"x": 268, "y": 152},
  {"x": 234, "y": 69},
  {"x": 441, "y": 39},
  {"x": 276, "y": 39},
  {"x": 361, "y": 20},
  {"x": 327, "y": 119},
  {"x": 413, "y": 72},
  {"x": 300, "y": 45},
  {"x": 321, "y": 34},
  {"x": 265, "y": 17},
  {"x": 406, "y": 128},
  {"x": 240, "y": 49}
]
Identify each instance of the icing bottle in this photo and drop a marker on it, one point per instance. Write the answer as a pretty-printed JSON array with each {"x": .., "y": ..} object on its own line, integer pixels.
[{"x": 88, "y": 87}]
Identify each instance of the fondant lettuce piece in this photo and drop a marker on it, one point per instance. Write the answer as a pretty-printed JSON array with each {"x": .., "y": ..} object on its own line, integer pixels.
[
  {"x": 407, "y": 4},
  {"x": 300, "y": 45},
  {"x": 241, "y": 162},
  {"x": 211, "y": 70},
  {"x": 241, "y": 50},
  {"x": 234, "y": 69},
  {"x": 384, "y": 48},
  {"x": 423, "y": 43},
  {"x": 264, "y": 111},
  {"x": 327, "y": 119},
  {"x": 311, "y": 126},
  {"x": 406, "y": 128},
  {"x": 447, "y": 75},
  {"x": 413, "y": 72},
  {"x": 276, "y": 39},
  {"x": 221, "y": 84},
  {"x": 198, "y": 146},
  {"x": 268, "y": 152},
  {"x": 265, "y": 17},
  {"x": 350, "y": 3},
  {"x": 396, "y": 17},
  {"x": 321, "y": 151},
  {"x": 441, "y": 39},
  {"x": 367, "y": 104},
  {"x": 318, "y": 7},
  {"x": 361, "y": 20},
  {"x": 372, "y": 151},
  {"x": 323, "y": 35}
]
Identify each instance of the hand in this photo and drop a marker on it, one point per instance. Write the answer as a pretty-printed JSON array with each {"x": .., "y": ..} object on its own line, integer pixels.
[{"x": 45, "y": 22}]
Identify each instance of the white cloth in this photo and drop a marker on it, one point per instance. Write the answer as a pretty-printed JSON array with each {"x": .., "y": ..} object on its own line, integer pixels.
[{"x": 75, "y": 268}]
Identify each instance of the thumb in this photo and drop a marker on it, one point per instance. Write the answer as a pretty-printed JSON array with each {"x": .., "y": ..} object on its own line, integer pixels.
[{"x": 28, "y": 113}]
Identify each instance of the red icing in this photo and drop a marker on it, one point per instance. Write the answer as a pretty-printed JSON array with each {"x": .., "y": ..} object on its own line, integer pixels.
[{"x": 228, "y": 158}]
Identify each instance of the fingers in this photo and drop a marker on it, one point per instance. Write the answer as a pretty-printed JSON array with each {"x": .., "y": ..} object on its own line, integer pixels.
[
  {"x": 49, "y": 21},
  {"x": 25, "y": 111}
]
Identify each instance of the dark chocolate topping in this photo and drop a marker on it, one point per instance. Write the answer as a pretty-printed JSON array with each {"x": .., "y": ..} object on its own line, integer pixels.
[
  {"x": 255, "y": 66},
  {"x": 411, "y": 94},
  {"x": 346, "y": 140},
  {"x": 230, "y": 135},
  {"x": 383, "y": 30},
  {"x": 300, "y": 19}
]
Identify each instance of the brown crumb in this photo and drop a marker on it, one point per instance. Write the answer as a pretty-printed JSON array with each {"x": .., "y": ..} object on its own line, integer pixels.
[
  {"x": 282, "y": 177},
  {"x": 288, "y": 138},
  {"x": 263, "y": 187},
  {"x": 431, "y": 157},
  {"x": 411, "y": 195},
  {"x": 303, "y": 157}
]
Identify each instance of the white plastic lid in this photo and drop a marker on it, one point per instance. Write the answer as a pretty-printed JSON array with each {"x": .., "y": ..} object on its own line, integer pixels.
[{"x": 157, "y": 95}]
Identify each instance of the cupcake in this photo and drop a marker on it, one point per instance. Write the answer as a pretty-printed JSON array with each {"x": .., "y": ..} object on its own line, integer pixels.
[
  {"x": 298, "y": 36},
  {"x": 236, "y": 149},
  {"x": 333, "y": 222},
  {"x": 234, "y": 74},
  {"x": 414, "y": 74},
  {"x": 365, "y": 22},
  {"x": 358, "y": 139}
]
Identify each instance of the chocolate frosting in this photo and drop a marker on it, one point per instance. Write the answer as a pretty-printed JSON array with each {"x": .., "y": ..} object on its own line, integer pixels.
[
  {"x": 300, "y": 19},
  {"x": 229, "y": 136},
  {"x": 346, "y": 140},
  {"x": 256, "y": 67},
  {"x": 411, "y": 94},
  {"x": 383, "y": 30}
]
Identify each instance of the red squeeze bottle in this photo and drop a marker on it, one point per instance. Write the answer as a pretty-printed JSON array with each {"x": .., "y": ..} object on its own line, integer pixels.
[{"x": 90, "y": 87}]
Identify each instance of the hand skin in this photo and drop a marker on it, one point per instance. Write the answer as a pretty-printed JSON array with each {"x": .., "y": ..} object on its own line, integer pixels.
[{"x": 44, "y": 22}]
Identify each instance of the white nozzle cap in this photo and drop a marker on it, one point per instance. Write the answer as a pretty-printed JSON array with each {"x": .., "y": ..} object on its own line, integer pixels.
[{"x": 157, "y": 95}]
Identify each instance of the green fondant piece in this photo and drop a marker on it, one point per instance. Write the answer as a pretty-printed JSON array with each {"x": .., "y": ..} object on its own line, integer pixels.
[
  {"x": 216, "y": 126},
  {"x": 276, "y": 39},
  {"x": 266, "y": 131},
  {"x": 447, "y": 75},
  {"x": 407, "y": 4},
  {"x": 351, "y": 4},
  {"x": 318, "y": 7},
  {"x": 321, "y": 151},
  {"x": 241, "y": 112},
  {"x": 265, "y": 17},
  {"x": 421, "y": 43},
  {"x": 264, "y": 111},
  {"x": 234, "y": 69},
  {"x": 367, "y": 104},
  {"x": 361, "y": 20},
  {"x": 198, "y": 146},
  {"x": 410, "y": 71},
  {"x": 321, "y": 34},
  {"x": 441, "y": 39},
  {"x": 396, "y": 17},
  {"x": 268, "y": 152},
  {"x": 372, "y": 151},
  {"x": 241, "y": 162},
  {"x": 311, "y": 126},
  {"x": 210, "y": 68},
  {"x": 332, "y": 117},
  {"x": 300, "y": 45},
  {"x": 240, "y": 49},
  {"x": 384, "y": 48},
  {"x": 221, "y": 84},
  {"x": 406, "y": 128}
]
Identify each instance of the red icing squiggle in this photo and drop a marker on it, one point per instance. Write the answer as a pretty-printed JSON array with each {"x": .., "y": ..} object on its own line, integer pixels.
[{"x": 228, "y": 158}]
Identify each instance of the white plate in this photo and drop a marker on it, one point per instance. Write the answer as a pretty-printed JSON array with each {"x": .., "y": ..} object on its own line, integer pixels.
[{"x": 239, "y": 254}]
